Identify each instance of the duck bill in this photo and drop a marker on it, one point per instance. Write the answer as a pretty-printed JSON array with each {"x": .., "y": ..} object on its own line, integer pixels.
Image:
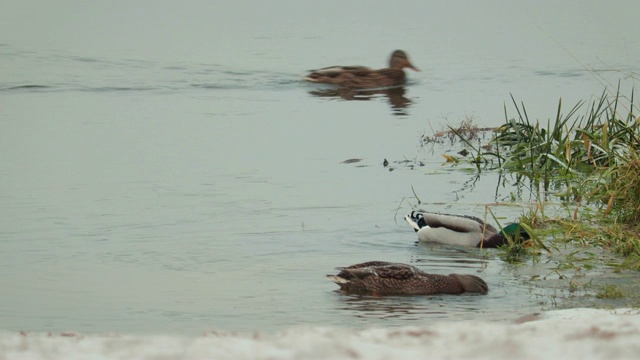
[{"x": 410, "y": 66}]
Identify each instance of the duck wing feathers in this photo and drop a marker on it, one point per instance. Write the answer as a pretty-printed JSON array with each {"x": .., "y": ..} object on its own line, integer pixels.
[
  {"x": 382, "y": 270},
  {"x": 458, "y": 223},
  {"x": 358, "y": 77},
  {"x": 334, "y": 71}
]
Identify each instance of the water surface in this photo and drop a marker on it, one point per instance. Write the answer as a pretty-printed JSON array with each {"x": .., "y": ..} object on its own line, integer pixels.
[{"x": 164, "y": 169}]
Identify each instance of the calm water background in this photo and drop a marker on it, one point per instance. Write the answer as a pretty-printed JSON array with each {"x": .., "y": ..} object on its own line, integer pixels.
[{"x": 164, "y": 169}]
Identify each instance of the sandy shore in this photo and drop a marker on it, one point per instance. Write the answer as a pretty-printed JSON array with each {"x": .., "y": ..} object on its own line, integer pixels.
[{"x": 564, "y": 334}]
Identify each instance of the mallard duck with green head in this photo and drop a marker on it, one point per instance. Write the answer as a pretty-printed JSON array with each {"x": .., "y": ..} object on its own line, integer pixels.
[
  {"x": 386, "y": 278},
  {"x": 461, "y": 230}
]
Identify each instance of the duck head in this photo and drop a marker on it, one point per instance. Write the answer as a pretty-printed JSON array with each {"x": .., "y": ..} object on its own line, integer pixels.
[
  {"x": 400, "y": 60},
  {"x": 515, "y": 231}
]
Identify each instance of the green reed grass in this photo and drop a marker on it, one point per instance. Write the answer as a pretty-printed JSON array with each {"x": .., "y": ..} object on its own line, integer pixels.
[{"x": 588, "y": 155}]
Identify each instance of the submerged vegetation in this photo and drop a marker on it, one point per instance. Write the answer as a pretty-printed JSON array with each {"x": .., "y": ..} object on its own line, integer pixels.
[{"x": 610, "y": 292}]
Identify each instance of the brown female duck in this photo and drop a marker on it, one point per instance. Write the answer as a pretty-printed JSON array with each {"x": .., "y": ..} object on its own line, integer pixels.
[
  {"x": 360, "y": 77},
  {"x": 385, "y": 278}
]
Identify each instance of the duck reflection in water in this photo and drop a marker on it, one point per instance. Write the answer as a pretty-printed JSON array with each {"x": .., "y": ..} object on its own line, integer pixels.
[
  {"x": 400, "y": 310},
  {"x": 398, "y": 102}
]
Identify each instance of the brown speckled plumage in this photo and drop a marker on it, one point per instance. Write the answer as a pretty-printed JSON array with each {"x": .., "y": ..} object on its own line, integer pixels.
[
  {"x": 360, "y": 77},
  {"x": 385, "y": 278}
]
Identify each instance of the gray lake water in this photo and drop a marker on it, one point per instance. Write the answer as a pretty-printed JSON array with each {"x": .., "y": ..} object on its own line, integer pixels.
[{"x": 164, "y": 170}]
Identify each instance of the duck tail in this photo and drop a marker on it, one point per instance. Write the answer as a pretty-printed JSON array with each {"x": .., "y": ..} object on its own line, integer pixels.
[
  {"x": 337, "y": 279},
  {"x": 414, "y": 220}
]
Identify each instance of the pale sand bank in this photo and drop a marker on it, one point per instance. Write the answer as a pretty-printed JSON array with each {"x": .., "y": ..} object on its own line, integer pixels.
[{"x": 564, "y": 334}]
